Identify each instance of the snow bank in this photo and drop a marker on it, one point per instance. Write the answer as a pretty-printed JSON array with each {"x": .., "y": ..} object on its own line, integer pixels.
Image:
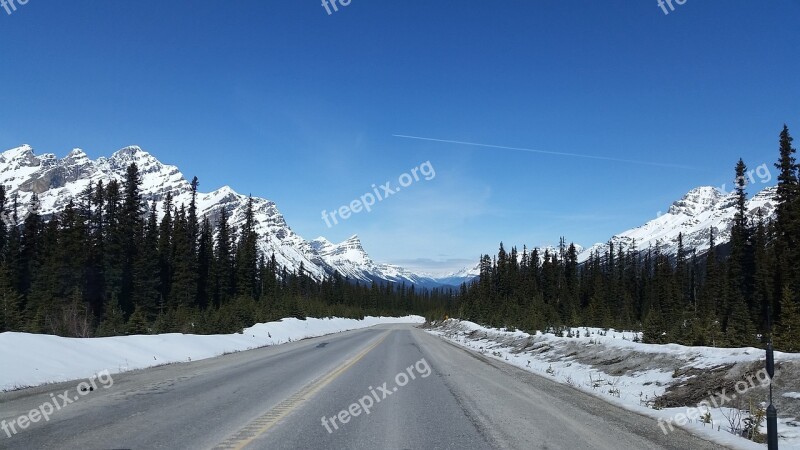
[
  {"x": 611, "y": 365},
  {"x": 34, "y": 359}
]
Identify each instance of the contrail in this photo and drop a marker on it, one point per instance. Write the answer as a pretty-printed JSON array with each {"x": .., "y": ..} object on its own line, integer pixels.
[{"x": 530, "y": 150}]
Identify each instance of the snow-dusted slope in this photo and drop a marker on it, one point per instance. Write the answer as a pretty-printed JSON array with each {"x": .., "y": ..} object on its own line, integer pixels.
[
  {"x": 57, "y": 181},
  {"x": 694, "y": 216}
]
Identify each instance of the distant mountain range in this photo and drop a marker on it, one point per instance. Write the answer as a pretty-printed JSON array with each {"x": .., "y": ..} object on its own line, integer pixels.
[{"x": 56, "y": 181}]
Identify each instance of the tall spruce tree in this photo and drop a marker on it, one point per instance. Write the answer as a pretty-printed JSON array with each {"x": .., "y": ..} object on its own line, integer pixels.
[
  {"x": 787, "y": 218},
  {"x": 183, "y": 287},
  {"x": 113, "y": 246},
  {"x": 740, "y": 265},
  {"x": 94, "y": 204},
  {"x": 5, "y": 220},
  {"x": 205, "y": 264},
  {"x": 247, "y": 255},
  {"x": 131, "y": 228},
  {"x": 224, "y": 261},
  {"x": 147, "y": 275},
  {"x": 787, "y": 334},
  {"x": 11, "y": 317},
  {"x": 165, "y": 257}
]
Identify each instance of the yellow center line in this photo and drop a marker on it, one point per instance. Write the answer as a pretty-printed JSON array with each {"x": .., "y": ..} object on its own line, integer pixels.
[{"x": 263, "y": 423}]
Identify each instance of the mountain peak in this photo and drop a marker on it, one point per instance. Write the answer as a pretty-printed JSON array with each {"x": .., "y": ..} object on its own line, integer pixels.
[
  {"x": 77, "y": 153},
  {"x": 134, "y": 153},
  {"x": 23, "y": 151},
  {"x": 697, "y": 201},
  {"x": 352, "y": 240},
  {"x": 707, "y": 191},
  {"x": 130, "y": 150},
  {"x": 348, "y": 253},
  {"x": 321, "y": 245}
]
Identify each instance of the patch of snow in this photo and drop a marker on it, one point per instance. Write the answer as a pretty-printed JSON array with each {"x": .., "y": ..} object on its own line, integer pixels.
[{"x": 35, "y": 359}]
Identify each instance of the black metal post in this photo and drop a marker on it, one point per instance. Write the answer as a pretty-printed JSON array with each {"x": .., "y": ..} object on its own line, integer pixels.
[{"x": 772, "y": 413}]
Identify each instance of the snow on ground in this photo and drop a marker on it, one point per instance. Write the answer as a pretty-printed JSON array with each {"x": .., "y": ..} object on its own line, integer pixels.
[
  {"x": 794, "y": 395},
  {"x": 613, "y": 366},
  {"x": 34, "y": 359}
]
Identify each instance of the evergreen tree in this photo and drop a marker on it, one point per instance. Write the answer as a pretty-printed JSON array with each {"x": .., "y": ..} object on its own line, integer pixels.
[
  {"x": 5, "y": 220},
  {"x": 30, "y": 247},
  {"x": 247, "y": 255},
  {"x": 131, "y": 228},
  {"x": 113, "y": 323},
  {"x": 762, "y": 275},
  {"x": 71, "y": 258},
  {"x": 788, "y": 191},
  {"x": 193, "y": 223},
  {"x": 44, "y": 276},
  {"x": 655, "y": 329},
  {"x": 94, "y": 207},
  {"x": 739, "y": 331},
  {"x": 165, "y": 253},
  {"x": 147, "y": 275},
  {"x": 113, "y": 244},
  {"x": 137, "y": 323},
  {"x": 205, "y": 261},
  {"x": 11, "y": 318},
  {"x": 183, "y": 288},
  {"x": 787, "y": 334},
  {"x": 741, "y": 260},
  {"x": 787, "y": 218},
  {"x": 224, "y": 262}
]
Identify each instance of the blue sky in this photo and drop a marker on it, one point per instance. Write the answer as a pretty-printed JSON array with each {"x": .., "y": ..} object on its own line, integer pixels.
[{"x": 281, "y": 100}]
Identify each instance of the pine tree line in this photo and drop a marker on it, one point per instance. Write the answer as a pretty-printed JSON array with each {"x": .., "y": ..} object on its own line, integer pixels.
[
  {"x": 734, "y": 295},
  {"x": 107, "y": 265}
]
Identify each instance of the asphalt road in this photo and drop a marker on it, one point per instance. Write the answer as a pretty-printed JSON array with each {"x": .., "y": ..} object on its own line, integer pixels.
[{"x": 315, "y": 394}]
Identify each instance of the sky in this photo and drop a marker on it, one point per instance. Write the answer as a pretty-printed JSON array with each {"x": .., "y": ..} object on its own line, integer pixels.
[{"x": 592, "y": 117}]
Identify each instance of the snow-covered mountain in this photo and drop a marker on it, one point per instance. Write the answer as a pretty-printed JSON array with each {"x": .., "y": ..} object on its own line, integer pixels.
[
  {"x": 464, "y": 275},
  {"x": 694, "y": 215},
  {"x": 350, "y": 260},
  {"x": 57, "y": 181}
]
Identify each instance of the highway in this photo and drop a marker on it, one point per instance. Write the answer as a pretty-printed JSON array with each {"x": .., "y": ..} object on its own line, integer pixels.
[{"x": 385, "y": 387}]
